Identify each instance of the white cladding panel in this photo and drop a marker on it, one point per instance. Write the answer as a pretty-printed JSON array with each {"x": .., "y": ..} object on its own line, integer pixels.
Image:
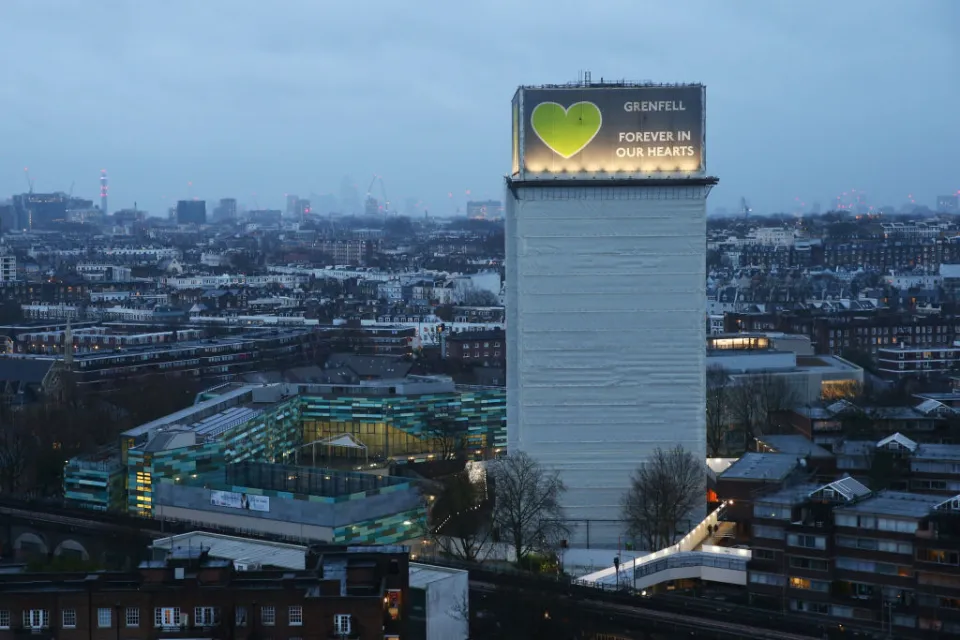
[{"x": 606, "y": 336}]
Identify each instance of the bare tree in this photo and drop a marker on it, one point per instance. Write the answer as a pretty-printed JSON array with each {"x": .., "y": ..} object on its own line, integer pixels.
[
  {"x": 460, "y": 519},
  {"x": 755, "y": 399},
  {"x": 527, "y": 510},
  {"x": 17, "y": 453},
  {"x": 718, "y": 410},
  {"x": 477, "y": 297},
  {"x": 662, "y": 496},
  {"x": 446, "y": 436}
]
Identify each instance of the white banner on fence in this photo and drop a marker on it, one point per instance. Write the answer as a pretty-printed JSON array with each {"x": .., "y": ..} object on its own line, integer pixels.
[{"x": 239, "y": 501}]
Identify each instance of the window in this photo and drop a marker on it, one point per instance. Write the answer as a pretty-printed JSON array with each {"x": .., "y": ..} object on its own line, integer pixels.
[
  {"x": 240, "y": 616},
  {"x": 772, "y": 511},
  {"x": 295, "y": 616},
  {"x": 268, "y": 616},
  {"x": 4, "y": 619},
  {"x": 808, "y": 542},
  {"x": 808, "y": 563},
  {"x": 132, "y": 618},
  {"x": 36, "y": 618},
  {"x": 206, "y": 616},
  {"x": 104, "y": 620},
  {"x": 341, "y": 624},
  {"x": 810, "y": 607},
  {"x": 774, "y": 579},
  {"x": 68, "y": 618},
  {"x": 763, "y": 531},
  {"x": 810, "y": 585},
  {"x": 166, "y": 617},
  {"x": 764, "y": 554}
]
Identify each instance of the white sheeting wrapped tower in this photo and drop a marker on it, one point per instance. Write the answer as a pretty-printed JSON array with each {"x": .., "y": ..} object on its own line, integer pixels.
[{"x": 605, "y": 291}]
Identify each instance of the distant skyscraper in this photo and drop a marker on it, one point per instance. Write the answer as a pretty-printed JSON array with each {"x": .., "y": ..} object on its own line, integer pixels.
[
  {"x": 301, "y": 208},
  {"x": 191, "y": 212},
  {"x": 103, "y": 192},
  {"x": 226, "y": 211},
  {"x": 39, "y": 210},
  {"x": 292, "y": 201},
  {"x": 349, "y": 197},
  {"x": 371, "y": 207},
  {"x": 8, "y": 216},
  {"x": 485, "y": 209}
]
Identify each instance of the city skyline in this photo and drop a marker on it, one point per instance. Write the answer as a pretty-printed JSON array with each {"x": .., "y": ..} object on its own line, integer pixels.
[{"x": 185, "y": 101}]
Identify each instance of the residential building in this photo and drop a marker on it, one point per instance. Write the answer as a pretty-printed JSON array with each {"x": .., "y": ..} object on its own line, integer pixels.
[
  {"x": 830, "y": 425},
  {"x": 862, "y": 330},
  {"x": 348, "y": 252},
  {"x": 8, "y": 266},
  {"x": 487, "y": 348},
  {"x": 361, "y": 593},
  {"x": 605, "y": 333},
  {"x": 373, "y": 340},
  {"x": 438, "y": 599},
  {"x": 103, "y": 356},
  {"x": 918, "y": 362},
  {"x": 885, "y": 559}
]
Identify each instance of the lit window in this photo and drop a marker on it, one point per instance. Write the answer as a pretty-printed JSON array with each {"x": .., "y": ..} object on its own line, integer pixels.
[
  {"x": 104, "y": 620},
  {"x": 166, "y": 617},
  {"x": 295, "y": 616},
  {"x": 800, "y": 583},
  {"x": 4, "y": 619}
]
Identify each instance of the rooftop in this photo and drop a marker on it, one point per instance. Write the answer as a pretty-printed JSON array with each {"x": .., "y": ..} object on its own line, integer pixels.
[
  {"x": 262, "y": 552},
  {"x": 796, "y": 445},
  {"x": 761, "y": 466},
  {"x": 895, "y": 503}
]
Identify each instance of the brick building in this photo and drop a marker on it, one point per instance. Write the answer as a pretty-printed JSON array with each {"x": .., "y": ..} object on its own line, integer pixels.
[
  {"x": 486, "y": 348},
  {"x": 345, "y": 592},
  {"x": 861, "y": 330},
  {"x": 841, "y": 552}
]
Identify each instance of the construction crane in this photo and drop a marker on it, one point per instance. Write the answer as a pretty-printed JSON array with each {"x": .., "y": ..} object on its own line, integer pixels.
[
  {"x": 383, "y": 192},
  {"x": 26, "y": 174}
]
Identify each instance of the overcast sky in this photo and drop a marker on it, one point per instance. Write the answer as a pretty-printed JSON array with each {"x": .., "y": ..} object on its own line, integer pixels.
[{"x": 804, "y": 99}]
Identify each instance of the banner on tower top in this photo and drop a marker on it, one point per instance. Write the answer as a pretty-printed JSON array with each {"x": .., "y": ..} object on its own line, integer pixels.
[{"x": 609, "y": 131}]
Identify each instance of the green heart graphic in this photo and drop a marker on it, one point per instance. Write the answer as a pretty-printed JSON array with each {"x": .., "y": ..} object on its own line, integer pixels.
[{"x": 566, "y": 131}]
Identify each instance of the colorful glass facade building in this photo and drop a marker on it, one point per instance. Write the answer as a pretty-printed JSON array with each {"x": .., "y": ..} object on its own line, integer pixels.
[{"x": 408, "y": 419}]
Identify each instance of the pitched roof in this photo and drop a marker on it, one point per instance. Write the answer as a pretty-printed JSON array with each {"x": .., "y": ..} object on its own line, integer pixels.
[
  {"x": 847, "y": 488},
  {"x": 898, "y": 439}
]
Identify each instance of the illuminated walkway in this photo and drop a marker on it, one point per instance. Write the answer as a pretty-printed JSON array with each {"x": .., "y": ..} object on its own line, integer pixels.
[{"x": 691, "y": 558}]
